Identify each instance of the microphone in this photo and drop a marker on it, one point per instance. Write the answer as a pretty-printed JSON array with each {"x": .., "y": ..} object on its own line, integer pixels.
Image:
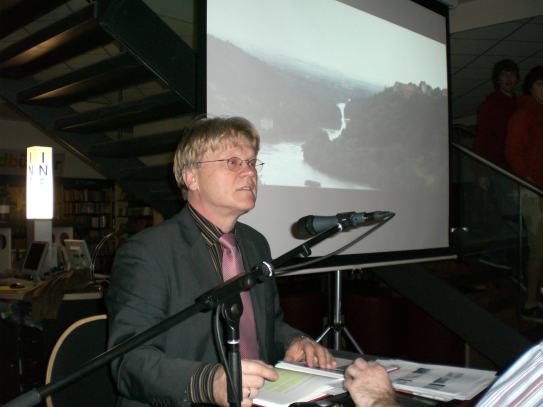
[{"x": 312, "y": 225}]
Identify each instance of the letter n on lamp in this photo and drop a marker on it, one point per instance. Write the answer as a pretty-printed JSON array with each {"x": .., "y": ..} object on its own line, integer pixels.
[{"x": 39, "y": 182}]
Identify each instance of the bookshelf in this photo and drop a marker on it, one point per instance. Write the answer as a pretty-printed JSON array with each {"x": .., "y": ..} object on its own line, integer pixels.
[
  {"x": 92, "y": 207},
  {"x": 15, "y": 190},
  {"x": 132, "y": 215},
  {"x": 87, "y": 205}
]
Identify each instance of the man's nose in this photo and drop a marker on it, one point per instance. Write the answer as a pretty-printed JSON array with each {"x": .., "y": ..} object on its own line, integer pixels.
[{"x": 247, "y": 169}]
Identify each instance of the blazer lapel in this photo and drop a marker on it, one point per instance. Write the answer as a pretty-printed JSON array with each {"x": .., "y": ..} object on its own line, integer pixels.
[{"x": 205, "y": 276}]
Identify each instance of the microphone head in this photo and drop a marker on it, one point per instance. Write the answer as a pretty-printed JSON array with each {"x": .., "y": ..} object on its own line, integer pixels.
[
  {"x": 303, "y": 228},
  {"x": 310, "y": 225},
  {"x": 382, "y": 215},
  {"x": 369, "y": 218}
]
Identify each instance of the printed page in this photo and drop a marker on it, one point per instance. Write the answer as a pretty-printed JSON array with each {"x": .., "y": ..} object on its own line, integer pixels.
[
  {"x": 438, "y": 381},
  {"x": 295, "y": 386}
]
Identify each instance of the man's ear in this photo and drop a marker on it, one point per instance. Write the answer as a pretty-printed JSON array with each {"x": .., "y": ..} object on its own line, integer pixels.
[{"x": 190, "y": 178}]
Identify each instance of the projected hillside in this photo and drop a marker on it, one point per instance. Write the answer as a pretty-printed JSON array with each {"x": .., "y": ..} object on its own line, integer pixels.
[
  {"x": 387, "y": 130},
  {"x": 308, "y": 117}
]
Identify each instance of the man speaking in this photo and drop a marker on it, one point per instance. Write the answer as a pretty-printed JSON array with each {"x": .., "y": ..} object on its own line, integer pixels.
[{"x": 161, "y": 270}]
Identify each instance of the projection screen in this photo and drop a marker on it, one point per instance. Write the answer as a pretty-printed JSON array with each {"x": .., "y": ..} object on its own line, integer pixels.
[{"x": 351, "y": 102}]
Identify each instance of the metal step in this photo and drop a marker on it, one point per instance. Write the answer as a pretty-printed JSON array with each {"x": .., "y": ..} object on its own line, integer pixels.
[
  {"x": 138, "y": 146},
  {"x": 18, "y": 13},
  {"x": 161, "y": 193},
  {"x": 169, "y": 198},
  {"x": 163, "y": 189},
  {"x": 96, "y": 79},
  {"x": 139, "y": 30},
  {"x": 55, "y": 43},
  {"x": 163, "y": 196},
  {"x": 167, "y": 104},
  {"x": 148, "y": 173},
  {"x": 168, "y": 208}
]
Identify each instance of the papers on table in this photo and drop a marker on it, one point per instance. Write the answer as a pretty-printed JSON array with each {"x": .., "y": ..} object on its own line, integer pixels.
[{"x": 438, "y": 381}]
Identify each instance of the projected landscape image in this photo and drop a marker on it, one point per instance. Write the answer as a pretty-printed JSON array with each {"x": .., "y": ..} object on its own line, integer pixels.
[
  {"x": 333, "y": 116},
  {"x": 386, "y": 130},
  {"x": 350, "y": 99}
]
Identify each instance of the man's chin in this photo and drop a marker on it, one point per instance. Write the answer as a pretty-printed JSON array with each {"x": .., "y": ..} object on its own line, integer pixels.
[{"x": 247, "y": 207}]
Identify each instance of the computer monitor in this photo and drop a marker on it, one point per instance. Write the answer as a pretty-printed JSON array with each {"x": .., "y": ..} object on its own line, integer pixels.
[
  {"x": 36, "y": 259},
  {"x": 5, "y": 249},
  {"x": 78, "y": 254},
  {"x": 60, "y": 234}
]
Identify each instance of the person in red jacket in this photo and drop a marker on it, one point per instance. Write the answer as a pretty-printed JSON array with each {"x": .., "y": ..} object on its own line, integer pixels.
[
  {"x": 524, "y": 152},
  {"x": 498, "y": 194},
  {"x": 494, "y": 113}
]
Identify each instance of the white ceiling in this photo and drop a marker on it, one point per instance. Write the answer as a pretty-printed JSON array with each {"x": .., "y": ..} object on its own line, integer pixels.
[{"x": 474, "y": 52}]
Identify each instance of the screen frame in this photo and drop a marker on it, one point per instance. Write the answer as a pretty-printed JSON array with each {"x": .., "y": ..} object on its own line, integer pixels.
[
  {"x": 360, "y": 260},
  {"x": 71, "y": 254}
]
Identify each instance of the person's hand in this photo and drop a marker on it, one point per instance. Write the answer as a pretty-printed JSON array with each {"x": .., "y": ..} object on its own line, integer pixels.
[
  {"x": 307, "y": 350},
  {"x": 253, "y": 374},
  {"x": 369, "y": 385}
]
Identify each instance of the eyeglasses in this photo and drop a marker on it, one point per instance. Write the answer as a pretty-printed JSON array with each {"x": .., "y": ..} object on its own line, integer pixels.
[{"x": 235, "y": 164}]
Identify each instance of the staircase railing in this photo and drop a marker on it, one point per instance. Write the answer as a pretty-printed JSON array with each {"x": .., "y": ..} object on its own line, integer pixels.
[{"x": 489, "y": 218}]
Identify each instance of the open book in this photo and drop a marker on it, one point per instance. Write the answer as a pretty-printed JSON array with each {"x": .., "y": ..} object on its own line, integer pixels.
[
  {"x": 298, "y": 382},
  {"x": 438, "y": 381}
]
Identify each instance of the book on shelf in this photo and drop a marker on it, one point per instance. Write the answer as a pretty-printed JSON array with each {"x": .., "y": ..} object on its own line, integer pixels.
[
  {"x": 438, "y": 382},
  {"x": 298, "y": 382}
]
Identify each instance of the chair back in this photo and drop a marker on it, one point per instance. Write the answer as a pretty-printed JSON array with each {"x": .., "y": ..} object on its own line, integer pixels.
[{"x": 80, "y": 342}]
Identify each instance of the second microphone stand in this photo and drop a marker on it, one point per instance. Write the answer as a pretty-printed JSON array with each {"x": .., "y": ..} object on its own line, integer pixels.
[{"x": 338, "y": 325}]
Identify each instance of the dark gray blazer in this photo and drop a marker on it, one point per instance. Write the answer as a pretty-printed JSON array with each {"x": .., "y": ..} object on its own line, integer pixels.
[{"x": 159, "y": 272}]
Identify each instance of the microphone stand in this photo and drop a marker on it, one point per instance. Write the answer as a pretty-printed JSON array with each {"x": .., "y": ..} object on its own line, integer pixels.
[
  {"x": 231, "y": 312},
  {"x": 304, "y": 249},
  {"x": 221, "y": 294}
]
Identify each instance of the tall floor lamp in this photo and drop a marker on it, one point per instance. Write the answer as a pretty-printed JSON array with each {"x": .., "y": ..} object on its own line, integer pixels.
[{"x": 39, "y": 199}]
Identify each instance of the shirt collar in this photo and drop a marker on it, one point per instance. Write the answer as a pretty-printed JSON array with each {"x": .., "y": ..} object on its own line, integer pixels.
[{"x": 210, "y": 232}]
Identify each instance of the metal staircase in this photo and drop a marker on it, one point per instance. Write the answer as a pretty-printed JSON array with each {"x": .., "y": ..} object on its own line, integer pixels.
[{"x": 108, "y": 79}]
